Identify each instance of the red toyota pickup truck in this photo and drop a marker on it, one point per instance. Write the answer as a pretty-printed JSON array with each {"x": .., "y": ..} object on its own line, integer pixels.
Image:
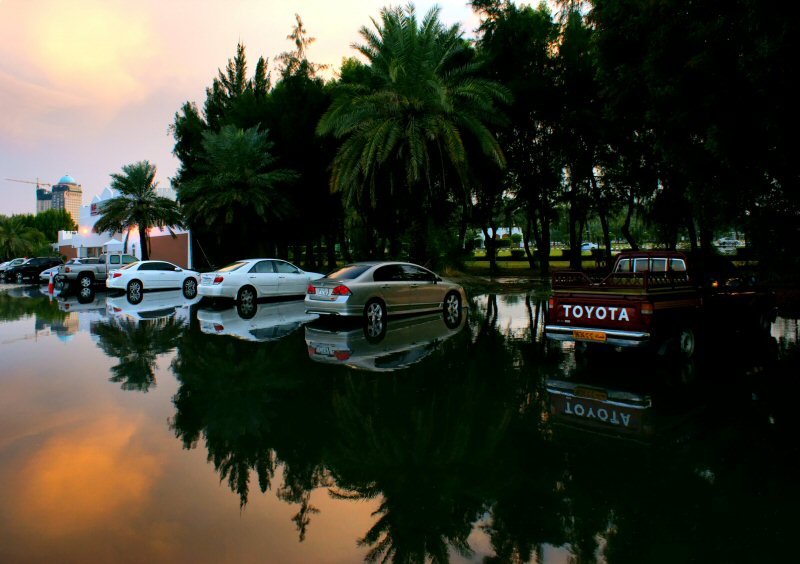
[{"x": 656, "y": 298}]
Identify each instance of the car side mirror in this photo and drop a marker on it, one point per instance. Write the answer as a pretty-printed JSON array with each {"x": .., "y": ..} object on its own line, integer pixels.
[{"x": 178, "y": 269}]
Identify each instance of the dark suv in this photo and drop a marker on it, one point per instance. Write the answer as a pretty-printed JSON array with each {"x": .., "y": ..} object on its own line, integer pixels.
[{"x": 31, "y": 268}]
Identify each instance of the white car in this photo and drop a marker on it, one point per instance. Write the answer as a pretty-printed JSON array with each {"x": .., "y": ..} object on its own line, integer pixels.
[
  {"x": 143, "y": 275},
  {"x": 247, "y": 280},
  {"x": 267, "y": 322}
]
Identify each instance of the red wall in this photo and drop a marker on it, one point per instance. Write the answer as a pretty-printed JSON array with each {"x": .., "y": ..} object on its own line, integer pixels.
[{"x": 173, "y": 250}]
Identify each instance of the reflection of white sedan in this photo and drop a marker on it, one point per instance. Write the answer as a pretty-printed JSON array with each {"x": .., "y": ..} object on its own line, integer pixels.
[
  {"x": 403, "y": 342},
  {"x": 156, "y": 305},
  {"x": 143, "y": 275},
  {"x": 267, "y": 322},
  {"x": 247, "y": 280}
]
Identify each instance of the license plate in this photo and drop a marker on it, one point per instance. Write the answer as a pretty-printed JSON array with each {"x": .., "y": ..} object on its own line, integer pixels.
[
  {"x": 600, "y": 395},
  {"x": 323, "y": 291},
  {"x": 206, "y": 279},
  {"x": 595, "y": 336},
  {"x": 324, "y": 350}
]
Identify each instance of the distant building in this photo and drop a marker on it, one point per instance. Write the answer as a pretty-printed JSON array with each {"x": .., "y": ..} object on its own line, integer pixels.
[
  {"x": 86, "y": 243},
  {"x": 67, "y": 195},
  {"x": 44, "y": 200}
]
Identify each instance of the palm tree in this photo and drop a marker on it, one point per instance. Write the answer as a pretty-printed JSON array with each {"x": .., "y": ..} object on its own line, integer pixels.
[
  {"x": 17, "y": 238},
  {"x": 238, "y": 185},
  {"x": 138, "y": 205},
  {"x": 414, "y": 121}
]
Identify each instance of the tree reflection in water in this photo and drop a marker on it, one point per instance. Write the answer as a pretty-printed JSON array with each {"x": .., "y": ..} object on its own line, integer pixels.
[
  {"x": 137, "y": 345},
  {"x": 465, "y": 437}
]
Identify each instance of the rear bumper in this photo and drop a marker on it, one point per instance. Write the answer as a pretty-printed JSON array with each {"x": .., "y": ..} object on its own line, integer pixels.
[{"x": 614, "y": 337}]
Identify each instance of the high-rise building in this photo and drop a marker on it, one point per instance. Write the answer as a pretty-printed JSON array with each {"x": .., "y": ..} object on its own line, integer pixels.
[
  {"x": 68, "y": 195},
  {"x": 44, "y": 199}
]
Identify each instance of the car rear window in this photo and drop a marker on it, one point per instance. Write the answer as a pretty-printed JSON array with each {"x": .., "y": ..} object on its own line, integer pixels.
[
  {"x": 232, "y": 266},
  {"x": 348, "y": 272}
]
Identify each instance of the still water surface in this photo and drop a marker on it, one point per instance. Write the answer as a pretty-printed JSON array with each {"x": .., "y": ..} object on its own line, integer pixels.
[{"x": 172, "y": 431}]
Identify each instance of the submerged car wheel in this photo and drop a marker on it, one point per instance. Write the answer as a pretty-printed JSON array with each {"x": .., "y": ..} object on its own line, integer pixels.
[
  {"x": 20, "y": 278},
  {"x": 134, "y": 291},
  {"x": 686, "y": 343},
  {"x": 374, "y": 321},
  {"x": 189, "y": 288},
  {"x": 452, "y": 309}
]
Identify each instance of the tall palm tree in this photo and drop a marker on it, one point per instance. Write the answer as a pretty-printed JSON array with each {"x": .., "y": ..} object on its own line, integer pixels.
[
  {"x": 423, "y": 109},
  {"x": 238, "y": 186},
  {"x": 138, "y": 205}
]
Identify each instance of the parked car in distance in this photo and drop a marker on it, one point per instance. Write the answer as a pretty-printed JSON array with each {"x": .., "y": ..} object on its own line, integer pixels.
[
  {"x": 729, "y": 242},
  {"x": 10, "y": 264},
  {"x": 44, "y": 276},
  {"x": 588, "y": 246},
  {"x": 143, "y": 275},
  {"x": 87, "y": 274},
  {"x": 31, "y": 268},
  {"x": 375, "y": 290},
  {"x": 247, "y": 280}
]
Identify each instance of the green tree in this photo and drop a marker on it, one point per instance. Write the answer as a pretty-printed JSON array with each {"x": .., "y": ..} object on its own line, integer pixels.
[
  {"x": 138, "y": 205},
  {"x": 18, "y": 238},
  {"x": 52, "y": 221},
  {"x": 406, "y": 134},
  {"x": 236, "y": 189}
]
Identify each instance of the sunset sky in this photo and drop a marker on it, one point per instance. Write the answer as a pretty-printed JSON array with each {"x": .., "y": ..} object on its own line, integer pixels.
[{"x": 87, "y": 86}]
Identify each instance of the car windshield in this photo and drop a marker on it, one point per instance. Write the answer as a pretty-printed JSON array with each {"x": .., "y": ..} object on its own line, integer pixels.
[
  {"x": 232, "y": 266},
  {"x": 348, "y": 272}
]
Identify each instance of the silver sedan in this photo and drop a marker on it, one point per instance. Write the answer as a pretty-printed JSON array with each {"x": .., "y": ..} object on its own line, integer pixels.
[{"x": 378, "y": 289}]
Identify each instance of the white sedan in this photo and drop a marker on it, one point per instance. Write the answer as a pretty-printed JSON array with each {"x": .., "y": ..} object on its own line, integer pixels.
[
  {"x": 143, "y": 275},
  {"x": 247, "y": 280}
]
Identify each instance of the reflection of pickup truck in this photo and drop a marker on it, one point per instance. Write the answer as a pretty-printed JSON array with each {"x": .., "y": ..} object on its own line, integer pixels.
[
  {"x": 87, "y": 275},
  {"x": 661, "y": 297}
]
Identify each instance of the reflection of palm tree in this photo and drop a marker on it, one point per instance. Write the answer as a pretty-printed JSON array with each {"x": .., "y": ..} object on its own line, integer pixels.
[{"x": 137, "y": 346}]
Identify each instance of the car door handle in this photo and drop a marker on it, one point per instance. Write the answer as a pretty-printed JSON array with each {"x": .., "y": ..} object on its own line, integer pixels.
[{"x": 385, "y": 287}]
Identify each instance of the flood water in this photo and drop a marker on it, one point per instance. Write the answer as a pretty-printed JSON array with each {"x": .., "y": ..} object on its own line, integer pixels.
[{"x": 174, "y": 431}]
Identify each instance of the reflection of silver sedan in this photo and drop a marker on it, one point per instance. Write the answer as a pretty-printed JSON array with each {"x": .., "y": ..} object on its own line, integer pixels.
[
  {"x": 377, "y": 289},
  {"x": 267, "y": 322},
  {"x": 403, "y": 342},
  {"x": 247, "y": 280}
]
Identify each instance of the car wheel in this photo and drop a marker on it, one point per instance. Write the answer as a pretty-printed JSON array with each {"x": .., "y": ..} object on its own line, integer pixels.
[
  {"x": 85, "y": 281},
  {"x": 189, "y": 288},
  {"x": 374, "y": 320},
  {"x": 452, "y": 310},
  {"x": 686, "y": 343},
  {"x": 247, "y": 310},
  {"x": 85, "y": 295},
  {"x": 135, "y": 291},
  {"x": 247, "y": 296},
  {"x": 20, "y": 278}
]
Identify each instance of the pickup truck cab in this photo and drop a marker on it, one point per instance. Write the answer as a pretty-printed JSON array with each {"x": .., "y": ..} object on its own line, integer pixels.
[
  {"x": 87, "y": 274},
  {"x": 656, "y": 297}
]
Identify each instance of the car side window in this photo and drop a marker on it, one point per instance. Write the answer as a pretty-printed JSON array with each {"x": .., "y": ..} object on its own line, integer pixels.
[
  {"x": 263, "y": 267},
  {"x": 388, "y": 273},
  {"x": 659, "y": 265},
  {"x": 128, "y": 259},
  {"x": 417, "y": 274},
  {"x": 113, "y": 259},
  {"x": 678, "y": 265},
  {"x": 286, "y": 268},
  {"x": 624, "y": 265},
  {"x": 641, "y": 265}
]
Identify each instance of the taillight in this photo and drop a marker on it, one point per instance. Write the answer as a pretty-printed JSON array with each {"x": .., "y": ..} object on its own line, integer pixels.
[
  {"x": 66, "y": 269},
  {"x": 218, "y": 327},
  {"x": 551, "y": 303},
  {"x": 341, "y": 291},
  {"x": 311, "y": 289},
  {"x": 218, "y": 279},
  {"x": 342, "y": 355},
  {"x": 647, "y": 308},
  {"x": 117, "y": 274}
]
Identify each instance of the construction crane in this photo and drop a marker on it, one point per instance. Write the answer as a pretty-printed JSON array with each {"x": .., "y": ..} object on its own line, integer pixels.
[{"x": 38, "y": 184}]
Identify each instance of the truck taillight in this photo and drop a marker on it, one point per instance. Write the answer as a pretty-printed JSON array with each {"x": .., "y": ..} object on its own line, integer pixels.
[
  {"x": 551, "y": 303},
  {"x": 647, "y": 308}
]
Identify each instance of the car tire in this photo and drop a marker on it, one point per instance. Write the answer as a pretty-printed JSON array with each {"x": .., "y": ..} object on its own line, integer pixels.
[
  {"x": 246, "y": 310},
  {"x": 451, "y": 307},
  {"x": 374, "y": 320},
  {"x": 85, "y": 281},
  {"x": 189, "y": 288},
  {"x": 686, "y": 342},
  {"x": 135, "y": 291},
  {"x": 247, "y": 296}
]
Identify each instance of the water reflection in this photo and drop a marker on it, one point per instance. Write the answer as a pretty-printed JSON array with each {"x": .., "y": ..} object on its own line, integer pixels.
[
  {"x": 467, "y": 442},
  {"x": 401, "y": 342},
  {"x": 255, "y": 322}
]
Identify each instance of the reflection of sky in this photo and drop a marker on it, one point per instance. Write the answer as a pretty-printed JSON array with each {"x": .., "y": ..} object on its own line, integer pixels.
[{"x": 90, "y": 473}]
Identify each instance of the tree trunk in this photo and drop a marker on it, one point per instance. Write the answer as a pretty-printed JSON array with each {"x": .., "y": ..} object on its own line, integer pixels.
[
  {"x": 626, "y": 226},
  {"x": 491, "y": 248},
  {"x": 143, "y": 243},
  {"x": 526, "y": 238}
]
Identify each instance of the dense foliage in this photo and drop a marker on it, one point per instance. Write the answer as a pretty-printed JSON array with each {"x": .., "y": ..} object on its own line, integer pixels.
[
  {"x": 611, "y": 120},
  {"x": 32, "y": 235}
]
